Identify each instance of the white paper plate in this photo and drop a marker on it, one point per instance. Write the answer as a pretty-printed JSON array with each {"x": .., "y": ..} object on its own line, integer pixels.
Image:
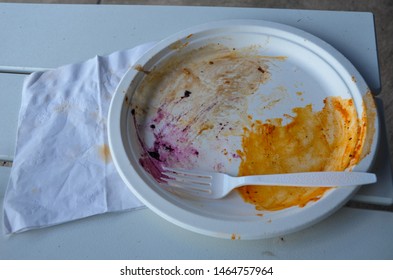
[{"x": 311, "y": 67}]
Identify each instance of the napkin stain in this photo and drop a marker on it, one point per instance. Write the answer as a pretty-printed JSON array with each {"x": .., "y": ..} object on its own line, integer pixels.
[
  {"x": 35, "y": 190},
  {"x": 105, "y": 153},
  {"x": 63, "y": 107}
]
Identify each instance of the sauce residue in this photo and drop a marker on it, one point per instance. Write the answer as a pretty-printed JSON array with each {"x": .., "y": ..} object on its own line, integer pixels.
[{"x": 326, "y": 140}]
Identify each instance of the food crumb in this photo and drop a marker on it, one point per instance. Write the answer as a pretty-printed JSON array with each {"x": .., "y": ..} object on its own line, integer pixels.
[
  {"x": 187, "y": 93},
  {"x": 140, "y": 68},
  {"x": 261, "y": 70}
]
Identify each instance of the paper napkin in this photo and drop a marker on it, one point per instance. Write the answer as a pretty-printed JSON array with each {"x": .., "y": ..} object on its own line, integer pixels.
[{"x": 62, "y": 169}]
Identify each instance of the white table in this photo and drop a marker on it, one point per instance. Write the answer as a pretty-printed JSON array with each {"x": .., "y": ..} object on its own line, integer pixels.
[{"x": 38, "y": 37}]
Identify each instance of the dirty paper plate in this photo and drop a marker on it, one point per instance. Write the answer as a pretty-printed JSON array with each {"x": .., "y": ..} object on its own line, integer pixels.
[{"x": 242, "y": 97}]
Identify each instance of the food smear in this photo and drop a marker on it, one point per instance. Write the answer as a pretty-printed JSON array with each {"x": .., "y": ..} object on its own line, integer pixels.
[
  {"x": 183, "y": 104},
  {"x": 326, "y": 140}
]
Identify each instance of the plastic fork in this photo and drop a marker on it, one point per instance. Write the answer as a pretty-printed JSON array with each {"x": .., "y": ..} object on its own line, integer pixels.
[{"x": 216, "y": 185}]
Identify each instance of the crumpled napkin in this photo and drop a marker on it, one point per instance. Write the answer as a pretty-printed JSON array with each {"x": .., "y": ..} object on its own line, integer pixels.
[{"x": 62, "y": 169}]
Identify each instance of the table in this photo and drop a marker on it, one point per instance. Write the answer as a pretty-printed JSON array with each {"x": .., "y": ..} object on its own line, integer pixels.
[{"x": 37, "y": 37}]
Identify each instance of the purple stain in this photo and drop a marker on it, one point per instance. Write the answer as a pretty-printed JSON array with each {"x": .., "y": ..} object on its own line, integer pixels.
[
  {"x": 152, "y": 166},
  {"x": 171, "y": 147},
  {"x": 235, "y": 156},
  {"x": 154, "y": 155},
  {"x": 219, "y": 167},
  {"x": 160, "y": 115},
  {"x": 149, "y": 159},
  {"x": 168, "y": 148}
]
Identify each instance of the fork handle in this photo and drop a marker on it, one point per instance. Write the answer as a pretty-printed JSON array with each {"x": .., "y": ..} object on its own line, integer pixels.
[{"x": 310, "y": 179}]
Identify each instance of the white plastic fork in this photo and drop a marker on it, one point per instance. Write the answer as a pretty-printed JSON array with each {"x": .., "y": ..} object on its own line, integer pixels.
[{"x": 216, "y": 185}]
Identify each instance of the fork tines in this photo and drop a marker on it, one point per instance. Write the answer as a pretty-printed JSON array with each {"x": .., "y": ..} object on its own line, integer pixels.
[{"x": 187, "y": 179}]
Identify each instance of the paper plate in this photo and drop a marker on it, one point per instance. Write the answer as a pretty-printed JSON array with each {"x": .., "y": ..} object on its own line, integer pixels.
[{"x": 242, "y": 97}]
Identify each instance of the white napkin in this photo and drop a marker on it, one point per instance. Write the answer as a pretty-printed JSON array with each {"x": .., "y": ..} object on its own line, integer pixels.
[{"x": 62, "y": 169}]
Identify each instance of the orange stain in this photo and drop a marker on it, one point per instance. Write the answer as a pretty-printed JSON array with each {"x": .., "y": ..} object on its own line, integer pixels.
[
  {"x": 327, "y": 140},
  {"x": 234, "y": 236},
  {"x": 105, "y": 153}
]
